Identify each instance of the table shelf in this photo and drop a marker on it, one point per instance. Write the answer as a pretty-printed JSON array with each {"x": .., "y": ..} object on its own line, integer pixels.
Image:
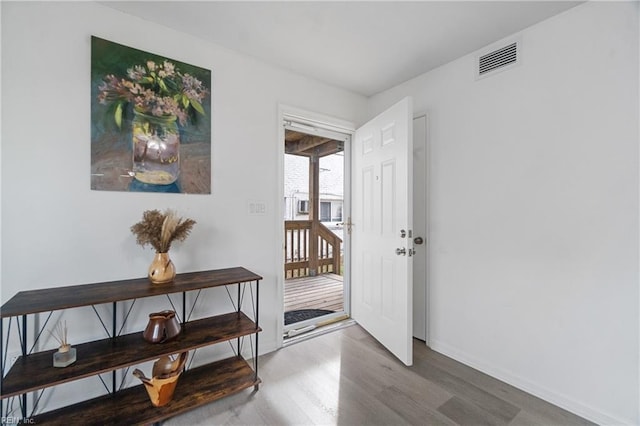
[
  {"x": 131, "y": 406},
  {"x": 34, "y": 372},
  {"x": 53, "y": 299}
]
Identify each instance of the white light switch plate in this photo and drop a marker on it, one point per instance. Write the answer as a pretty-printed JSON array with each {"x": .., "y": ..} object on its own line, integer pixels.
[{"x": 256, "y": 207}]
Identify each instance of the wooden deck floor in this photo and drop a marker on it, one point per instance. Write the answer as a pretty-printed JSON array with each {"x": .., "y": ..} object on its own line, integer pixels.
[{"x": 319, "y": 292}]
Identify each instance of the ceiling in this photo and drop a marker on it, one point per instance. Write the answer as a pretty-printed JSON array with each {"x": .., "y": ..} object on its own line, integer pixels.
[
  {"x": 306, "y": 145},
  {"x": 364, "y": 47}
]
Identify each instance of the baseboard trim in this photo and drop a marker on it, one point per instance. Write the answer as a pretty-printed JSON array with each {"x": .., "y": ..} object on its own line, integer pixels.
[{"x": 556, "y": 398}]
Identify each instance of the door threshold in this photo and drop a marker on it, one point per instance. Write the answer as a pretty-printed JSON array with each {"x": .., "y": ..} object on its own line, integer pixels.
[{"x": 311, "y": 331}]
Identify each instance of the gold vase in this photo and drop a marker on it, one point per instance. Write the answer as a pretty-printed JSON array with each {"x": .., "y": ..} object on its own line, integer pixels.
[{"x": 162, "y": 270}]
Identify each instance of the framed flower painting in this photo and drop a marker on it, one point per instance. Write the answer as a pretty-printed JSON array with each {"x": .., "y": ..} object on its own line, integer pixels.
[{"x": 150, "y": 122}]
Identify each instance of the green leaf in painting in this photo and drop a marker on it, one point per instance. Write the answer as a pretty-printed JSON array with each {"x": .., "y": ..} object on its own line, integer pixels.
[
  {"x": 117, "y": 116},
  {"x": 162, "y": 85},
  {"x": 171, "y": 84},
  {"x": 197, "y": 106}
]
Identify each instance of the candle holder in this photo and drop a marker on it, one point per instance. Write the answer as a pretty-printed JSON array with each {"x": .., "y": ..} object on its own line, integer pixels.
[{"x": 65, "y": 356}]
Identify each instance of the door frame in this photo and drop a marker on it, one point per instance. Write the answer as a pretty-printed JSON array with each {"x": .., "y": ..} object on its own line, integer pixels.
[
  {"x": 329, "y": 123},
  {"x": 427, "y": 210}
]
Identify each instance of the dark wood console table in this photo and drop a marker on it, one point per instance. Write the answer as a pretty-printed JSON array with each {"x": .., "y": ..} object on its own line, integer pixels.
[{"x": 33, "y": 372}]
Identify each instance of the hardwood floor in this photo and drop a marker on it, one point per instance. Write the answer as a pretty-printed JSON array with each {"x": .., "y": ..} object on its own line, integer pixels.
[
  {"x": 347, "y": 378},
  {"x": 319, "y": 292}
]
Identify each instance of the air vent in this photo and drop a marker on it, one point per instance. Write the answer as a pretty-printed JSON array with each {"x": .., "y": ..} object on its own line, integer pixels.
[{"x": 498, "y": 59}]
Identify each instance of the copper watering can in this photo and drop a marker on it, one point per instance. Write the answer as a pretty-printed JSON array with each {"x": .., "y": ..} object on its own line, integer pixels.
[
  {"x": 165, "y": 378},
  {"x": 162, "y": 326}
]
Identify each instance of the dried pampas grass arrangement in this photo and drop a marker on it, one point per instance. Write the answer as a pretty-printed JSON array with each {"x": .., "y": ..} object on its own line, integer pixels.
[{"x": 161, "y": 229}]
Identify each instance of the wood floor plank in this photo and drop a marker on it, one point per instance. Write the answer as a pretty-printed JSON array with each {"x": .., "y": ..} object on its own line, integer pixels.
[
  {"x": 359, "y": 407},
  {"x": 323, "y": 291},
  {"x": 304, "y": 292},
  {"x": 465, "y": 413},
  {"x": 412, "y": 409},
  {"x": 490, "y": 403},
  {"x": 390, "y": 372},
  {"x": 314, "y": 295}
]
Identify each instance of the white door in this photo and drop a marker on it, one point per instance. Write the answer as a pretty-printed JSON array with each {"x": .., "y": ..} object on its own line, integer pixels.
[
  {"x": 420, "y": 220},
  {"x": 382, "y": 243}
]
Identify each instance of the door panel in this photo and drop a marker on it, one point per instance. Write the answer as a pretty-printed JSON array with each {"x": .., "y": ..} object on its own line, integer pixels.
[{"x": 382, "y": 288}]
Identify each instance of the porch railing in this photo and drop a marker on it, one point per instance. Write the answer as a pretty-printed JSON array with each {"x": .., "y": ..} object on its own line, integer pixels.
[{"x": 303, "y": 257}]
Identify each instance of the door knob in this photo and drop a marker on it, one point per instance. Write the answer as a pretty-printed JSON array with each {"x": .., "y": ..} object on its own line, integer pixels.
[
  {"x": 418, "y": 240},
  {"x": 401, "y": 251}
]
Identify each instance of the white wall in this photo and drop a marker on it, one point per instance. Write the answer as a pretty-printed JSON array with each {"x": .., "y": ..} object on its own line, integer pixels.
[
  {"x": 534, "y": 196},
  {"x": 534, "y": 217},
  {"x": 57, "y": 232}
]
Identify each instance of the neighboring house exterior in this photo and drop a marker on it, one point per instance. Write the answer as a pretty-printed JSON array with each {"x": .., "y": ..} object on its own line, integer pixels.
[{"x": 296, "y": 188}]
